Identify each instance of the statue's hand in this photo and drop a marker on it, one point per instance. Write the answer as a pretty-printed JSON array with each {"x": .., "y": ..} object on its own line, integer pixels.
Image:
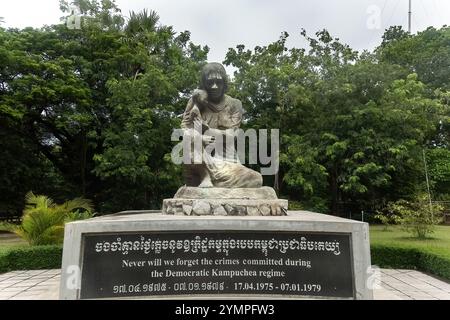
[{"x": 208, "y": 139}]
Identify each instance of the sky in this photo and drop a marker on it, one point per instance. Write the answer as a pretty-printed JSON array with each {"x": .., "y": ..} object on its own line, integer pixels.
[{"x": 225, "y": 24}]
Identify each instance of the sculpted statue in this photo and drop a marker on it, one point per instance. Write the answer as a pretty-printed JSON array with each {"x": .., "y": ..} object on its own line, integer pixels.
[{"x": 215, "y": 116}]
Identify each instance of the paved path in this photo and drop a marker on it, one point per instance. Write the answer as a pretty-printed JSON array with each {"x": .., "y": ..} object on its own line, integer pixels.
[
  {"x": 399, "y": 284},
  {"x": 30, "y": 285},
  {"x": 395, "y": 285}
]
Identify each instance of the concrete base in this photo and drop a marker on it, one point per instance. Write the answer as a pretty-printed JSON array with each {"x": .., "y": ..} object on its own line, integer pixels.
[
  {"x": 296, "y": 221},
  {"x": 225, "y": 207},
  {"x": 225, "y": 202}
]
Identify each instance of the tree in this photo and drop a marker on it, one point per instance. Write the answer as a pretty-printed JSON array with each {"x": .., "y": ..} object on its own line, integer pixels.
[
  {"x": 144, "y": 105},
  {"x": 392, "y": 34},
  {"x": 64, "y": 93},
  {"x": 352, "y": 126},
  {"x": 427, "y": 54},
  {"x": 438, "y": 163},
  {"x": 103, "y": 15},
  {"x": 38, "y": 94}
]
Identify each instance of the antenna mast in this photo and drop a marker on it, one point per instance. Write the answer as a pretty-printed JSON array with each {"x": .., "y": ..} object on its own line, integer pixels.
[{"x": 409, "y": 17}]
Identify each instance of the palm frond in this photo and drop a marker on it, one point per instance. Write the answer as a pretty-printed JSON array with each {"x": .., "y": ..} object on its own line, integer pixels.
[
  {"x": 77, "y": 215},
  {"x": 33, "y": 201},
  {"x": 52, "y": 235},
  {"x": 78, "y": 203},
  {"x": 143, "y": 21},
  {"x": 43, "y": 220},
  {"x": 168, "y": 30}
]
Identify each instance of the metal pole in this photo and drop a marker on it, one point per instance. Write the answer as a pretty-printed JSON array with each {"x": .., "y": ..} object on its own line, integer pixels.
[
  {"x": 428, "y": 183},
  {"x": 409, "y": 17}
]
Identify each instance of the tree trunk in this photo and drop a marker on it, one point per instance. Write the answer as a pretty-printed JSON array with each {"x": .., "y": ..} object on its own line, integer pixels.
[
  {"x": 334, "y": 192},
  {"x": 83, "y": 163}
]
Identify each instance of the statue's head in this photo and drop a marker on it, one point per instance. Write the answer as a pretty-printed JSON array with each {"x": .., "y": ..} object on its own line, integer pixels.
[{"x": 214, "y": 80}]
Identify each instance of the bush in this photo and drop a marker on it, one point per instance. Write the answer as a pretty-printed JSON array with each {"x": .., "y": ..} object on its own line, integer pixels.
[
  {"x": 387, "y": 219},
  {"x": 410, "y": 258},
  {"x": 43, "y": 220},
  {"x": 295, "y": 205},
  {"x": 31, "y": 258},
  {"x": 417, "y": 217}
]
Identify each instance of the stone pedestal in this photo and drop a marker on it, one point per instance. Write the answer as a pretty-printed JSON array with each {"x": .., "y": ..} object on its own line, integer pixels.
[
  {"x": 147, "y": 255},
  {"x": 225, "y": 202}
]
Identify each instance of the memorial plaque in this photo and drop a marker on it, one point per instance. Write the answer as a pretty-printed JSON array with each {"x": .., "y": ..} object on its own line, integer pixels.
[{"x": 217, "y": 263}]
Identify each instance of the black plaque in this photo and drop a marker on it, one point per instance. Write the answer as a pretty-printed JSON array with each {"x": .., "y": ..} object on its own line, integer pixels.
[{"x": 217, "y": 263}]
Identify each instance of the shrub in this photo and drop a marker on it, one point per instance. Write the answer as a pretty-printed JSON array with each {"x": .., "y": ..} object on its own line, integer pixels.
[
  {"x": 416, "y": 217},
  {"x": 43, "y": 220},
  {"x": 31, "y": 258},
  {"x": 410, "y": 258},
  {"x": 387, "y": 219},
  {"x": 295, "y": 205}
]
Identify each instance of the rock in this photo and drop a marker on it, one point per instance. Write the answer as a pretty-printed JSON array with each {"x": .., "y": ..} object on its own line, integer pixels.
[
  {"x": 187, "y": 209},
  {"x": 265, "y": 210},
  {"x": 169, "y": 209},
  {"x": 274, "y": 210},
  {"x": 219, "y": 211},
  {"x": 229, "y": 209},
  {"x": 235, "y": 210},
  {"x": 241, "y": 210},
  {"x": 225, "y": 207},
  {"x": 253, "y": 211},
  {"x": 201, "y": 208}
]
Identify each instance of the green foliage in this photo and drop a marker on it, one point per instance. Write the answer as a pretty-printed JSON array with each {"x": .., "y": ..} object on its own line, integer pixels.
[
  {"x": 31, "y": 258},
  {"x": 295, "y": 205},
  {"x": 133, "y": 162},
  {"x": 438, "y": 162},
  {"x": 418, "y": 218},
  {"x": 90, "y": 111},
  {"x": 43, "y": 220},
  {"x": 397, "y": 249},
  {"x": 410, "y": 258},
  {"x": 104, "y": 15},
  {"x": 352, "y": 126},
  {"x": 387, "y": 218},
  {"x": 426, "y": 53}
]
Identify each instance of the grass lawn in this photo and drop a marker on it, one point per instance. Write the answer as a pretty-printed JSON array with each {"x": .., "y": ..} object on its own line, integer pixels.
[{"x": 438, "y": 242}]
